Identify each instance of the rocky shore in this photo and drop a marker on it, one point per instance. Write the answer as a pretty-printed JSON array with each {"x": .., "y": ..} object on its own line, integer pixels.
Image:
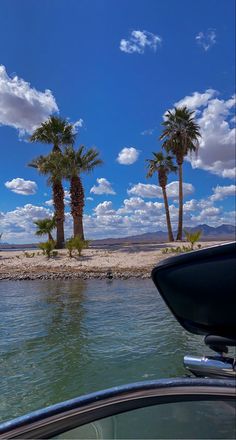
[{"x": 96, "y": 273}]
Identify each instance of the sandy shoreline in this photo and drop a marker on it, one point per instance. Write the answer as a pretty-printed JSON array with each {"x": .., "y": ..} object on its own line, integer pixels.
[{"x": 124, "y": 261}]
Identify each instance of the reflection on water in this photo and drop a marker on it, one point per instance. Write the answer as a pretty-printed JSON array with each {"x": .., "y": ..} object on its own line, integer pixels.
[{"x": 60, "y": 339}]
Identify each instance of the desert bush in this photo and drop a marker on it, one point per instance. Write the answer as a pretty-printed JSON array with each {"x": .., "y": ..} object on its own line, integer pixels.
[
  {"x": 80, "y": 244},
  {"x": 176, "y": 250},
  {"x": 77, "y": 244},
  {"x": 47, "y": 247},
  {"x": 70, "y": 246},
  {"x": 29, "y": 254}
]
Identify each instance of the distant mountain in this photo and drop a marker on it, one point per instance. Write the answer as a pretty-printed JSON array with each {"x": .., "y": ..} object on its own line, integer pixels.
[{"x": 223, "y": 232}]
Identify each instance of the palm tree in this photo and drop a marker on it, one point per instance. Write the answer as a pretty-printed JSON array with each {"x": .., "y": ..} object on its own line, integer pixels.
[
  {"x": 77, "y": 162},
  {"x": 45, "y": 226},
  {"x": 53, "y": 166},
  {"x": 180, "y": 135},
  {"x": 56, "y": 131},
  {"x": 162, "y": 165}
]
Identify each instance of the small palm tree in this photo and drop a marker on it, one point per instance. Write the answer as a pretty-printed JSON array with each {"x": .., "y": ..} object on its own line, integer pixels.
[
  {"x": 56, "y": 131},
  {"x": 181, "y": 134},
  {"x": 45, "y": 226},
  {"x": 162, "y": 165},
  {"x": 53, "y": 166},
  {"x": 192, "y": 237},
  {"x": 76, "y": 163}
]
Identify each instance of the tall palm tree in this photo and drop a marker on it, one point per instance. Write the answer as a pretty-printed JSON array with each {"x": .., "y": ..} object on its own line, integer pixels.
[
  {"x": 181, "y": 134},
  {"x": 76, "y": 163},
  {"x": 56, "y": 131},
  {"x": 45, "y": 226},
  {"x": 162, "y": 165},
  {"x": 53, "y": 166}
]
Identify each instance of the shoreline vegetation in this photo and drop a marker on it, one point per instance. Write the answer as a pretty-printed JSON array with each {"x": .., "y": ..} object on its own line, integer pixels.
[{"x": 124, "y": 261}]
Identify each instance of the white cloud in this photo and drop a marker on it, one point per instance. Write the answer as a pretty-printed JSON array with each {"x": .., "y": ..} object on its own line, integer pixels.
[
  {"x": 18, "y": 225},
  {"x": 154, "y": 191},
  {"x": 221, "y": 192},
  {"x": 103, "y": 187},
  {"x": 22, "y": 186},
  {"x": 135, "y": 216},
  {"x": 77, "y": 125},
  {"x": 145, "y": 190},
  {"x": 172, "y": 189},
  {"x": 197, "y": 99},
  {"x": 22, "y": 106},
  {"x": 217, "y": 144},
  {"x": 138, "y": 41},
  {"x": 49, "y": 202},
  {"x": 127, "y": 156},
  {"x": 89, "y": 199},
  {"x": 206, "y": 39},
  {"x": 148, "y": 132},
  {"x": 104, "y": 208}
]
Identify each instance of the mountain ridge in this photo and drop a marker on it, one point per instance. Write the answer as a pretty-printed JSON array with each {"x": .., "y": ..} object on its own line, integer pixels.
[
  {"x": 222, "y": 232},
  {"x": 209, "y": 233}
]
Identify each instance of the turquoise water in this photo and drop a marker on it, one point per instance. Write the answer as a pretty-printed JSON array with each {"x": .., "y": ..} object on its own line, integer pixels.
[{"x": 60, "y": 339}]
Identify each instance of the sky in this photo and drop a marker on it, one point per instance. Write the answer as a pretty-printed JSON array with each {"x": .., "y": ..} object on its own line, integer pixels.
[{"x": 113, "y": 68}]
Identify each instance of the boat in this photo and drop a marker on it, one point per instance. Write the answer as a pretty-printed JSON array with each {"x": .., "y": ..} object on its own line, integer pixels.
[{"x": 199, "y": 289}]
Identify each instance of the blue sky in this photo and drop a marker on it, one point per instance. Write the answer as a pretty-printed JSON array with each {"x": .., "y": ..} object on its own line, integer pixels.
[{"x": 116, "y": 67}]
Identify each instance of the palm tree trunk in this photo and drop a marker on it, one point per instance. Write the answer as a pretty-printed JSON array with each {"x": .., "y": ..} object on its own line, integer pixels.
[
  {"x": 77, "y": 205},
  {"x": 78, "y": 227},
  {"x": 50, "y": 236},
  {"x": 168, "y": 222},
  {"x": 58, "y": 201},
  {"x": 180, "y": 221}
]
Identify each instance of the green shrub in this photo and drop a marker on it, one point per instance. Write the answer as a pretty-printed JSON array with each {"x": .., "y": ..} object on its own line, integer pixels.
[
  {"x": 70, "y": 246},
  {"x": 47, "y": 247},
  {"x": 29, "y": 255},
  {"x": 77, "y": 244},
  {"x": 80, "y": 244},
  {"x": 176, "y": 250}
]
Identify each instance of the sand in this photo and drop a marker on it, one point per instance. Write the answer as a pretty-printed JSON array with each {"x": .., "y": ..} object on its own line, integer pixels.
[{"x": 123, "y": 260}]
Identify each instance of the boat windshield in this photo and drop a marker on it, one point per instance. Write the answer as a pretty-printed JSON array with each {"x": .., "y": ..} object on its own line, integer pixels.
[{"x": 178, "y": 420}]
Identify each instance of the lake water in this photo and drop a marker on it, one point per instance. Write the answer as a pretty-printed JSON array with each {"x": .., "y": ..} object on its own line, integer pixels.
[{"x": 60, "y": 339}]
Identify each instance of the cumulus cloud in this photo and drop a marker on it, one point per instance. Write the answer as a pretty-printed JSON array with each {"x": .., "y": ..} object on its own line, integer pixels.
[
  {"x": 22, "y": 186},
  {"x": 18, "y": 225},
  {"x": 154, "y": 191},
  {"x": 197, "y": 99},
  {"x": 206, "y": 39},
  {"x": 127, "y": 156},
  {"x": 217, "y": 144},
  {"x": 22, "y": 106},
  {"x": 134, "y": 216},
  {"x": 103, "y": 187},
  {"x": 104, "y": 208},
  {"x": 139, "y": 41},
  {"x": 77, "y": 125},
  {"x": 221, "y": 192}
]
